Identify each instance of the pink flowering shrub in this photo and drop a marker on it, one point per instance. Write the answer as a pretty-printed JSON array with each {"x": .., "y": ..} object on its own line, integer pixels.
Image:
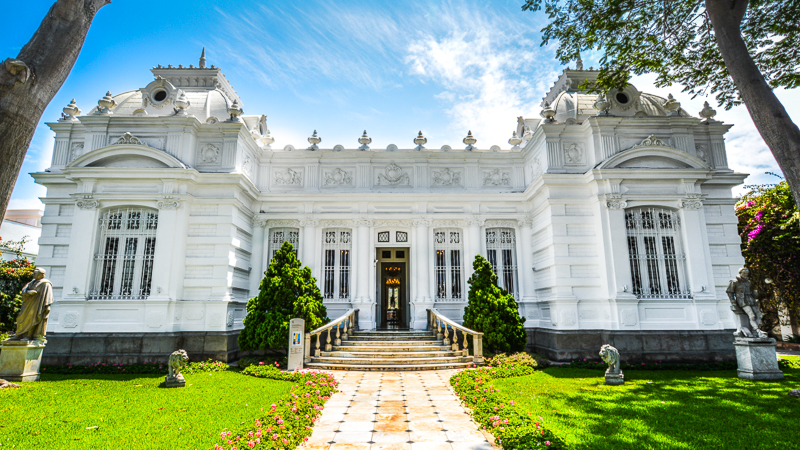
[
  {"x": 288, "y": 422},
  {"x": 769, "y": 226},
  {"x": 510, "y": 424}
]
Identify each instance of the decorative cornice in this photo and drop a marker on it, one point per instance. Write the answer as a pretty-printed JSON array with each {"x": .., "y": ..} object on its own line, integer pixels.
[
  {"x": 308, "y": 222},
  {"x": 525, "y": 221},
  {"x": 259, "y": 222},
  {"x": 364, "y": 222},
  {"x": 651, "y": 141},
  {"x": 475, "y": 220},
  {"x": 422, "y": 222},
  {"x": 128, "y": 138}
]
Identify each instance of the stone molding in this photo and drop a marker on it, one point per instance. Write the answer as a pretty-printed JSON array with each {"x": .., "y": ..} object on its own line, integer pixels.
[
  {"x": 283, "y": 223},
  {"x": 393, "y": 223},
  {"x": 168, "y": 203},
  {"x": 87, "y": 203},
  {"x": 423, "y": 222},
  {"x": 501, "y": 223},
  {"x": 364, "y": 222},
  {"x": 336, "y": 224},
  {"x": 479, "y": 221},
  {"x": 130, "y": 139},
  {"x": 448, "y": 224},
  {"x": 615, "y": 201},
  {"x": 692, "y": 201}
]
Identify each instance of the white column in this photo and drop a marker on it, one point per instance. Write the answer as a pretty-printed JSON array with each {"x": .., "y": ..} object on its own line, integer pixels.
[
  {"x": 692, "y": 226},
  {"x": 362, "y": 300},
  {"x": 615, "y": 249},
  {"x": 423, "y": 254},
  {"x": 473, "y": 247},
  {"x": 166, "y": 248},
  {"x": 527, "y": 287},
  {"x": 257, "y": 256},
  {"x": 78, "y": 274},
  {"x": 308, "y": 243}
]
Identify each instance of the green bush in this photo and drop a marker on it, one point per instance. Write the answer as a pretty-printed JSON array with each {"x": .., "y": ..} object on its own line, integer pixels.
[
  {"x": 248, "y": 361},
  {"x": 497, "y": 412},
  {"x": 205, "y": 366},
  {"x": 493, "y": 311},
  {"x": 14, "y": 275},
  {"x": 517, "y": 359},
  {"x": 288, "y": 423},
  {"x": 287, "y": 291}
]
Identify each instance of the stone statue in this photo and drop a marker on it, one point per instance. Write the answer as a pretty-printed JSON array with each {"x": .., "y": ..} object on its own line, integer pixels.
[
  {"x": 37, "y": 296},
  {"x": 177, "y": 361},
  {"x": 610, "y": 355},
  {"x": 745, "y": 304}
]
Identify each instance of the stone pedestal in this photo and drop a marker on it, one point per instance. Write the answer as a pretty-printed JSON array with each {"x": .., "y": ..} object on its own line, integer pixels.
[
  {"x": 172, "y": 382},
  {"x": 20, "y": 360},
  {"x": 615, "y": 378},
  {"x": 757, "y": 359}
]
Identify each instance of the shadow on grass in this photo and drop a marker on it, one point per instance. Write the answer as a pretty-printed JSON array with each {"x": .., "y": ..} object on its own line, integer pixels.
[{"x": 668, "y": 409}]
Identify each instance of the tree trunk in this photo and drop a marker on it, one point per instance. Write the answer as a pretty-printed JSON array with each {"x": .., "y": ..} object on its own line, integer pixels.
[
  {"x": 29, "y": 82},
  {"x": 773, "y": 123}
]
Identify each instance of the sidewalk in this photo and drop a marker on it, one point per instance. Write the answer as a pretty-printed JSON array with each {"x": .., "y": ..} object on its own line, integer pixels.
[{"x": 395, "y": 411}]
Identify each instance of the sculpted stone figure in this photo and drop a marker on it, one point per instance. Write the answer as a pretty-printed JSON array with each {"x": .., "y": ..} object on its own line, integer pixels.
[
  {"x": 37, "y": 296},
  {"x": 177, "y": 361},
  {"x": 610, "y": 355},
  {"x": 745, "y": 304}
]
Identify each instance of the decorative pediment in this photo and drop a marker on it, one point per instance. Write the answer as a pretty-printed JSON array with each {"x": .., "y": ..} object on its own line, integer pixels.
[
  {"x": 126, "y": 155},
  {"x": 653, "y": 153},
  {"x": 128, "y": 138}
]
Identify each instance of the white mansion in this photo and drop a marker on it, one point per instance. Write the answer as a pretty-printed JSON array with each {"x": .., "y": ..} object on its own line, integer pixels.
[{"x": 610, "y": 221}]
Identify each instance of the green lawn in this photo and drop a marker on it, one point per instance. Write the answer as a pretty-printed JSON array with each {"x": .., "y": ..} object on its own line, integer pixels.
[
  {"x": 131, "y": 411},
  {"x": 661, "y": 409}
]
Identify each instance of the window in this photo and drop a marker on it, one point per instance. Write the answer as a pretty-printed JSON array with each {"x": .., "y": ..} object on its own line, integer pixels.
[
  {"x": 655, "y": 253},
  {"x": 448, "y": 252},
  {"x": 277, "y": 236},
  {"x": 336, "y": 249},
  {"x": 501, "y": 251},
  {"x": 124, "y": 260}
]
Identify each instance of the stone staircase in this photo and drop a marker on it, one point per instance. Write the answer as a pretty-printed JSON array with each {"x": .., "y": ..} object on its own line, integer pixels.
[{"x": 391, "y": 350}]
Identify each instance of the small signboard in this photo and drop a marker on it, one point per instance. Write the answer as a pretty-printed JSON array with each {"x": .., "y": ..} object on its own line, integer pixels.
[{"x": 296, "y": 341}]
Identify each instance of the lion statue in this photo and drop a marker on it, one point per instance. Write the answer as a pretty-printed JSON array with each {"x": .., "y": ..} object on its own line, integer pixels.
[
  {"x": 610, "y": 355},
  {"x": 177, "y": 361}
]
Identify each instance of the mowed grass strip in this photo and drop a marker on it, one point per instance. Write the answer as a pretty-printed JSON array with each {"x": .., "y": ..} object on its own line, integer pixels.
[
  {"x": 661, "y": 409},
  {"x": 131, "y": 411}
]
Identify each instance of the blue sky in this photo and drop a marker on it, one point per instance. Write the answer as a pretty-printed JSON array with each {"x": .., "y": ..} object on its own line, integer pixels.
[{"x": 393, "y": 69}]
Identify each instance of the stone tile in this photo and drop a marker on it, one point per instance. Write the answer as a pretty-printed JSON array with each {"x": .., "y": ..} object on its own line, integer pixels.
[
  {"x": 390, "y": 446},
  {"x": 425, "y": 425},
  {"x": 359, "y": 417},
  {"x": 472, "y": 445},
  {"x": 352, "y": 437},
  {"x": 328, "y": 418},
  {"x": 321, "y": 438},
  {"x": 472, "y": 435},
  {"x": 391, "y": 436},
  {"x": 323, "y": 446},
  {"x": 390, "y": 403},
  {"x": 349, "y": 446},
  {"x": 390, "y": 417},
  {"x": 431, "y": 446},
  {"x": 428, "y": 436},
  {"x": 335, "y": 409},
  {"x": 391, "y": 410},
  {"x": 392, "y": 397},
  {"x": 399, "y": 425},
  {"x": 356, "y": 426}
]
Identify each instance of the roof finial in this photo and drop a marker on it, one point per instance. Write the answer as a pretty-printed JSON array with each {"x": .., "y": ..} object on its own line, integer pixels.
[
  {"x": 579, "y": 62},
  {"x": 203, "y": 59}
]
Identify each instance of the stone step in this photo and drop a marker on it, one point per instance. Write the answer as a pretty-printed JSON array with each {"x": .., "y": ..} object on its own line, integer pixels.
[
  {"x": 357, "y": 340},
  {"x": 338, "y": 353},
  {"x": 390, "y": 361},
  {"x": 387, "y": 367},
  {"x": 393, "y": 348},
  {"x": 392, "y": 333}
]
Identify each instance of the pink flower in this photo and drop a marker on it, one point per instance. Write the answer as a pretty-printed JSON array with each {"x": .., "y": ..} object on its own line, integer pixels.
[{"x": 546, "y": 442}]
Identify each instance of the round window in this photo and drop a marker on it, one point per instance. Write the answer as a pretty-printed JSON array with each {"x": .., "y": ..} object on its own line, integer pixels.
[
  {"x": 160, "y": 95},
  {"x": 622, "y": 98}
]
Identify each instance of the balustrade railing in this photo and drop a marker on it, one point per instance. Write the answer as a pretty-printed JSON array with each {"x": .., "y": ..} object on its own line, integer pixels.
[
  {"x": 334, "y": 331},
  {"x": 447, "y": 331}
]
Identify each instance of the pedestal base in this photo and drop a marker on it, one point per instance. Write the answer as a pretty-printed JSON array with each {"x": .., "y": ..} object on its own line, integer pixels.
[
  {"x": 172, "y": 382},
  {"x": 20, "y": 360},
  {"x": 757, "y": 359},
  {"x": 615, "y": 379}
]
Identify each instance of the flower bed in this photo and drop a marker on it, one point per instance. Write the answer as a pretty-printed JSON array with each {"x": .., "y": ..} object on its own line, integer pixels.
[
  {"x": 288, "y": 422},
  {"x": 513, "y": 427}
]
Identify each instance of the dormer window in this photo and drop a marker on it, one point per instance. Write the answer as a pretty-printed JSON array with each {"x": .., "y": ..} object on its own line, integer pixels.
[{"x": 622, "y": 98}]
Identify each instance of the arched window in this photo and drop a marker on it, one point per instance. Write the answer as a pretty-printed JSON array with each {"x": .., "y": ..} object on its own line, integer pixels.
[
  {"x": 655, "y": 252},
  {"x": 277, "y": 236},
  {"x": 124, "y": 257},
  {"x": 336, "y": 249},
  {"x": 501, "y": 251},
  {"x": 448, "y": 264}
]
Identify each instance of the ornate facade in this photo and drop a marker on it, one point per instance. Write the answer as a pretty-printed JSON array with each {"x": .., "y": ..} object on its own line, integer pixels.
[{"x": 612, "y": 218}]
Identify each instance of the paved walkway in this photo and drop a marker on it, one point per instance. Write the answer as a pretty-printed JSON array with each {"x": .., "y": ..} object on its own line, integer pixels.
[{"x": 395, "y": 411}]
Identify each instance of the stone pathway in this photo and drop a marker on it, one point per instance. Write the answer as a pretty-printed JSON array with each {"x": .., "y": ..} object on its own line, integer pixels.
[{"x": 395, "y": 411}]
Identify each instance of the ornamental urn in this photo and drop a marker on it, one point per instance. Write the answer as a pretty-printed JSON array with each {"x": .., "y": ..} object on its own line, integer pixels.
[
  {"x": 470, "y": 140},
  {"x": 105, "y": 104},
  {"x": 235, "y": 111},
  {"x": 707, "y": 113},
  {"x": 548, "y": 113},
  {"x": 515, "y": 141},
  {"x": 601, "y": 105},
  {"x": 314, "y": 139},
  {"x": 70, "y": 111},
  {"x": 364, "y": 140},
  {"x": 420, "y": 140}
]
